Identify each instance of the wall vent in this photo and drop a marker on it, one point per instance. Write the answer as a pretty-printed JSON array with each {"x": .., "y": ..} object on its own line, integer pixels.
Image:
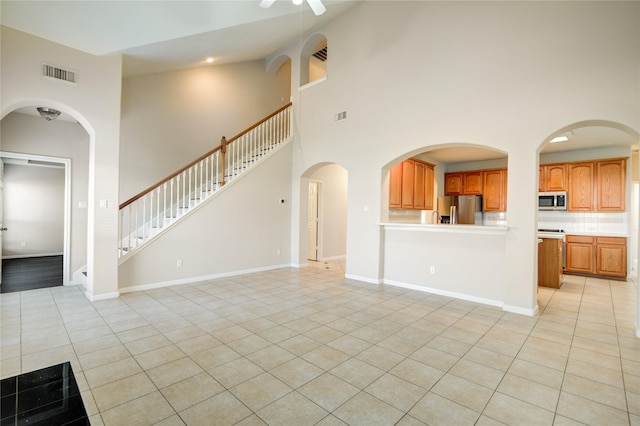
[
  {"x": 340, "y": 116},
  {"x": 321, "y": 54},
  {"x": 59, "y": 74}
]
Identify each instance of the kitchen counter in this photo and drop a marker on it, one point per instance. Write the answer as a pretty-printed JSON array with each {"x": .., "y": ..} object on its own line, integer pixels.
[
  {"x": 598, "y": 234},
  {"x": 446, "y": 228}
]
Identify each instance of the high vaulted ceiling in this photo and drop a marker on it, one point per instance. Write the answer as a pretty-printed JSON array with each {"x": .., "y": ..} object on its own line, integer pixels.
[{"x": 160, "y": 36}]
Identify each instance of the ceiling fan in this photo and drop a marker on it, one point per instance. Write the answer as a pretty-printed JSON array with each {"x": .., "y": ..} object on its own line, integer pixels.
[{"x": 316, "y": 5}]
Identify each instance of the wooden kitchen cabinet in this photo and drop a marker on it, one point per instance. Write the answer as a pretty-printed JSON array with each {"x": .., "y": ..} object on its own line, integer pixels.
[
  {"x": 550, "y": 263},
  {"x": 494, "y": 190},
  {"x": 600, "y": 256},
  {"x": 611, "y": 256},
  {"x": 553, "y": 177},
  {"x": 408, "y": 172},
  {"x": 411, "y": 185},
  {"x": 429, "y": 187},
  {"x": 453, "y": 183},
  {"x": 580, "y": 254},
  {"x": 611, "y": 185},
  {"x": 581, "y": 188},
  {"x": 418, "y": 185},
  {"x": 463, "y": 183},
  {"x": 473, "y": 183},
  {"x": 395, "y": 187}
]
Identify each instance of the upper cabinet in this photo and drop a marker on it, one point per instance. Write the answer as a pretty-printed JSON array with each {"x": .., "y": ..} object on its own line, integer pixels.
[
  {"x": 495, "y": 190},
  {"x": 464, "y": 183},
  {"x": 597, "y": 185},
  {"x": 610, "y": 185},
  {"x": 580, "y": 190},
  {"x": 491, "y": 183},
  {"x": 453, "y": 183},
  {"x": 411, "y": 185},
  {"x": 553, "y": 177}
]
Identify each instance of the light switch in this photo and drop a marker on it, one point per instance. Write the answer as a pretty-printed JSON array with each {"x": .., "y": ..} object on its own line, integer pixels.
[
  {"x": 82, "y": 205},
  {"x": 104, "y": 204}
]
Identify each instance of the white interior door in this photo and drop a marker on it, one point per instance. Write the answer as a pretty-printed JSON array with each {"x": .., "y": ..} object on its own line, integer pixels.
[{"x": 312, "y": 222}]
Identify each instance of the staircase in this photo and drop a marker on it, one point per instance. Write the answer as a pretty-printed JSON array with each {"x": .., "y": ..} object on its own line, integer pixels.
[{"x": 148, "y": 214}]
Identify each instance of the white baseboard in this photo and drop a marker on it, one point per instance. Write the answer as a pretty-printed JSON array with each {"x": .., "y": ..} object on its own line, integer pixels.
[
  {"x": 530, "y": 312},
  {"x": 363, "y": 279},
  {"x": 104, "y": 296},
  {"x": 191, "y": 280},
  {"x": 452, "y": 294}
]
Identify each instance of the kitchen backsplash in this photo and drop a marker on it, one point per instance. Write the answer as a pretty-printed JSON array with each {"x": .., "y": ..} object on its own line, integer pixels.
[{"x": 587, "y": 222}]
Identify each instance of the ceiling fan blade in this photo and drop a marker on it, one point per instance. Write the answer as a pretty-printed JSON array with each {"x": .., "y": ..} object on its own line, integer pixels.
[
  {"x": 317, "y": 7},
  {"x": 266, "y": 3}
]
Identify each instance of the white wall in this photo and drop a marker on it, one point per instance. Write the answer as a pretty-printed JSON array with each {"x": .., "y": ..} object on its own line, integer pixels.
[
  {"x": 333, "y": 210},
  {"x": 27, "y": 134},
  {"x": 95, "y": 103},
  {"x": 463, "y": 72},
  {"x": 170, "y": 119},
  {"x": 33, "y": 211},
  {"x": 239, "y": 230}
]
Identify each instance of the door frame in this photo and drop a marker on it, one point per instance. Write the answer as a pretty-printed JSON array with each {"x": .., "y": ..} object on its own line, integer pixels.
[
  {"x": 66, "y": 249},
  {"x": 318, "y": 218}
]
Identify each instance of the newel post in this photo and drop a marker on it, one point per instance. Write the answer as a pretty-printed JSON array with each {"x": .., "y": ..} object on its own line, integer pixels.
[{"x": 223, "y": 150}]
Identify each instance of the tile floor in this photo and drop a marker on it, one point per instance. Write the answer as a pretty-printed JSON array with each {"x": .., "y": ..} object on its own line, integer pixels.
[{"x": 306, "y": 347}]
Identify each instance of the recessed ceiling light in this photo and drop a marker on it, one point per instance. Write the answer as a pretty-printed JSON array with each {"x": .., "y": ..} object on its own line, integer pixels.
[
  {"x": 209, "y": 60},
  {"x": 562, "y": 138}
]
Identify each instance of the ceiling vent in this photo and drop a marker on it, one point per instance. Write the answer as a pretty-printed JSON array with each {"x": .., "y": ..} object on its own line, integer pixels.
[
  {"x": 59, "y": 74},
  {"x": 321, "y": 54}
]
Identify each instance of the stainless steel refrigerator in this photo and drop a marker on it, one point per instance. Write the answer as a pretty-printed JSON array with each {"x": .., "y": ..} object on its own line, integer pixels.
[{"x": 461, "y": 209}]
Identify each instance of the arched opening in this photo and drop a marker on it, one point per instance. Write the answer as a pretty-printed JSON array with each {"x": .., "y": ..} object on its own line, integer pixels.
[
  {"x": 40, "y": 155},
  {"x": 418, "y": 184},
  {"x": 313, "y": 60},
  {"x": 325, "y": 187},
  {"x": 595, "y": 163}
]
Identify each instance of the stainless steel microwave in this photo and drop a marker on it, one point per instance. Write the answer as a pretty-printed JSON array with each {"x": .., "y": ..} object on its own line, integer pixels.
[{"x": 552, "y": 200}]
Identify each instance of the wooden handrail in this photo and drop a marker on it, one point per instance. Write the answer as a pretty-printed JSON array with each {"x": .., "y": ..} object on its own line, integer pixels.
[{"x": 223, "y": 145}]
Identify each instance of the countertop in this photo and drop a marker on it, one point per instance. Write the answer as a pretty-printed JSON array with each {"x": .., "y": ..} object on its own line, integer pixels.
[{"x": 446, "y": 228}]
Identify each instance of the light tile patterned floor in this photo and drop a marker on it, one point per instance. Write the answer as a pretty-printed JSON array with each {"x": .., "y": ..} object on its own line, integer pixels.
[{"x": 306, "y": 347}]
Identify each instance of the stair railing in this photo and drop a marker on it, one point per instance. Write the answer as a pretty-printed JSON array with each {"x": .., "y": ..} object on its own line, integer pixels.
[{"x": 146, "y": 214}]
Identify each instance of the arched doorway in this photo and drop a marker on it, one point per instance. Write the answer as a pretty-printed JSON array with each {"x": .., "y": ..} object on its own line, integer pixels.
[
  {"x": 37, "y": 147},
  {"x": 594, "y": 145},
  {"x": 325, "y": 213}
]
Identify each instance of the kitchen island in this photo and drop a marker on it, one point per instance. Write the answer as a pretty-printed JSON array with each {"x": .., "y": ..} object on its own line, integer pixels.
[{"x": 462, "y": 261}]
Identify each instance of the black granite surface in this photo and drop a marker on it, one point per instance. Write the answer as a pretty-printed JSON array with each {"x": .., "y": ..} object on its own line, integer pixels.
[{"x": 49, "y": 396}]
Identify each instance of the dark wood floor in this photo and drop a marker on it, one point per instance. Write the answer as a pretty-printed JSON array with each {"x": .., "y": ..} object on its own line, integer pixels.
[{"x": 31, "y": 273}]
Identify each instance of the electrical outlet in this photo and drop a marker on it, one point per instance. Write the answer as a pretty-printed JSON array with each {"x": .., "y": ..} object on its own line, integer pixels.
[
  {"x": 278, "y": 252},
  {"x": 432, "y": 269},
  {"x": 179, "y": 263},
  {"x": 23, "y": 244}
]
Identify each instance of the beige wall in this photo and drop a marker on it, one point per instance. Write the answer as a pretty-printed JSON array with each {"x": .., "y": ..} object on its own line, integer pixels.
[
  {"x": 33, "y": 210},
  {"x": 95, "y": 103},
  {"x": 170, "y": 119},
  {"x": 485, "y": 73}
]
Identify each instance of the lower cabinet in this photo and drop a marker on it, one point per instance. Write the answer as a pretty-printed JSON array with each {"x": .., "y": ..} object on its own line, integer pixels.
[
  {"x": 600, "y": 256},
  {"x": 550, "y": 263}
]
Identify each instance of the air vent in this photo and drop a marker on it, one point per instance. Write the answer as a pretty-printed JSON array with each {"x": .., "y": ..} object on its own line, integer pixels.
[
  {"x": 340, "y": 116},
  {"x": 59, "y": 74},
  {"x": 321, "y": 54}
]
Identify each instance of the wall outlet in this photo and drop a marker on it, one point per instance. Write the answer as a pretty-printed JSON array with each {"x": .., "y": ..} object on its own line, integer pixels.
[
  {"x": 23, "y": 244},
  {"x": 278, "y": 252},
  {"x": 432, "y": 269},
  {"x": 179, "y": 263}
]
